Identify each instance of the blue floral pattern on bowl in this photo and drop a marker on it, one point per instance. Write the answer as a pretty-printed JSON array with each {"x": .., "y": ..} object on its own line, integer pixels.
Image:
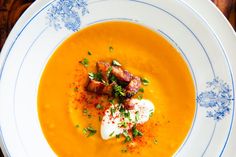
[
  {"x": 217, "y": 99},
  {"x": 66, "y": 13}
]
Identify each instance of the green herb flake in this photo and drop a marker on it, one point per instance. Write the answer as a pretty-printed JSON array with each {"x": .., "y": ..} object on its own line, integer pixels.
[
  {"x": 136, "y": 116},
  {"x": 98, "y": 76},
  {"x": 85, "y": 111},
  {"x": 95, "y": 76},
  {"x": 141, "y": 90},
  {"x": 99, "y": 106},
  {"x": 109, "y": 71},
  {"x": 155, "y": 141},
  {"x": 91, "y": 131},
  {"x": 151, "y": 113},
  {"x": 111, "y": 101},
  {"x": 118, "y": 91},
  {"x": 111, "y": 134},
  {"x": 127, "y": 114},
  {"x": 124, "y": 150},
  {"x": 89, "y": 53},
  {"x": 112, "y": 78},
  {"x": 136, "y": 132},
  {"x": 118, "y": 136},
  {"x": 123, "y": 124},
  {"x": 89, "y": 116},
  {"x": 116, "y": 63},
  {"x": 112, "y": 110},
  {"x": 85, "y": 131},
  {"x": 127, "y": 137},
  {"x": 76, "y": 89},
  {"x": 99, "y": 118},
  {"x": 122, "y": 110},
  {"x": 106, "y": 83},
  {"x": 91, "y": 75},
  {"x": 140, "y": 97},
  {"x": 125, "y": 133},
  {"x": 145, "y": 81},
  {"x": 77, "y": 125},
  {"x": 85, "y": 62},
  {"x": 111, "y": 49}
]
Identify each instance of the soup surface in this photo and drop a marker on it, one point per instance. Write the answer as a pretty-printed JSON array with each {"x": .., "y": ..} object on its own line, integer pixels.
[{"x": 66, "y": 109}]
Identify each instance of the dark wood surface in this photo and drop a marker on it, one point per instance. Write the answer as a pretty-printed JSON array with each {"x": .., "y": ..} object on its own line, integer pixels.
[{"x": 11, "y": 10}]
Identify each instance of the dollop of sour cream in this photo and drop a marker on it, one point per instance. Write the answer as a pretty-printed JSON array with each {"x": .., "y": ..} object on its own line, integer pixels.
[{"x": 114, "y": 122}]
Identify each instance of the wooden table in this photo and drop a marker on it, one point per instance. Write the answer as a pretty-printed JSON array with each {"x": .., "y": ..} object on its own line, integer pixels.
[{"x": 11, "y": 10}]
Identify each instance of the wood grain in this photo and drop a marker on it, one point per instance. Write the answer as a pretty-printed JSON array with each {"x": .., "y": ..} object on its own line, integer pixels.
[
  {"x": 228, "y": 8},
  {"x": 10, "y": 11}
]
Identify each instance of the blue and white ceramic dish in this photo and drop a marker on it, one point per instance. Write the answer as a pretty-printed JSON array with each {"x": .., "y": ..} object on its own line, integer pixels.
[{"x": 206, "y": 47}]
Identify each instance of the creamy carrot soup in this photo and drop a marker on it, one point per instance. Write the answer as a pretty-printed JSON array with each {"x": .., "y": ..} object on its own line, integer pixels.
[{"x": 116, "y": 89}]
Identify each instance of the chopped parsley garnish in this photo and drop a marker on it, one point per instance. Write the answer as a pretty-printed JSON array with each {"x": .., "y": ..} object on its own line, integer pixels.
[
  {"x": 127, "y": 137},
  {"x": 118, "y": 136},
  {"x": 85, "y": 62},
  {"x": 111, "y": 134},
  {"x": 109, "y": 71},
  {"x": 89, "y": 53},
  {"x": 122, "y": 110},
  {"x": 112, "y": 110},
  {"x": 91, "y": 75},
  {"x": 140, "y": 97},
  {"x": 155, "y": 141},
  {"x": 85, "y": 111},
  {"x": 127, "y": 114},
  {"x": 124, "y": 150},
  {"x": 112, "y": 101},
  {"x": 111, "y": 49},
  {"x": 95, "y": 76},
  {"x": 151, "y": 113},
  {"x": 136, "y": 116},
  {"x": 136, "y": 132},
  {"x": 141, "y": 90},
  {"x": 89, "y": 116},
  {"x": 116, "y": 63},
  {"x": 77, "y": 125},
  {"x": 119, "y": 91},
  {"x": 123, "y": 124},
  {"x": 112, "y": 78},
  {"x": 85, "y": 131},
  {"x": 99, "y": 106},
  {"x": 145, "y": 81},
  {"x": 99, "y": 118},
  {"x": 90, "y": 131},
  {"x": 76, "y": 89}
]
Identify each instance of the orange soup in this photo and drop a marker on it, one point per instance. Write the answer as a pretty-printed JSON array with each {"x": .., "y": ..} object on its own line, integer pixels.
[{"x": 66, "y": 109}]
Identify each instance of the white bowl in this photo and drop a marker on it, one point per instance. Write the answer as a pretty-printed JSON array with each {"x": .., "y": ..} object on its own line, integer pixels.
[{"x": 48, "y": 23}]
